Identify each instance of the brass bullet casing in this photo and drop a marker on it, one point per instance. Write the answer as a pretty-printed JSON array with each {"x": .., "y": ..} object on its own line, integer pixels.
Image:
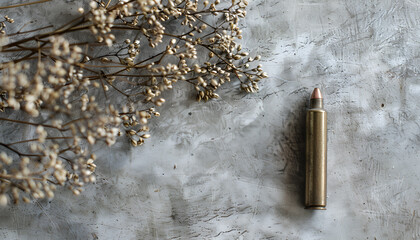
[{"x": 316, "y": 154}]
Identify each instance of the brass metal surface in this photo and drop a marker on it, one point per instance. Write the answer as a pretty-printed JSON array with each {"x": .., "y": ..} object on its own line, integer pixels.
[{"x": 316, "y": 158}]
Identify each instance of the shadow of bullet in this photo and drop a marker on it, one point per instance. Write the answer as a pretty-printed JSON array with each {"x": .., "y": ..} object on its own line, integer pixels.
[{"x": 292, "y": 144}]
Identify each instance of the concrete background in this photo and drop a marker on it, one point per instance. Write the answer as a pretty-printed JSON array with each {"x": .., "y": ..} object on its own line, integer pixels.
[{"x": 239, "y": 165}]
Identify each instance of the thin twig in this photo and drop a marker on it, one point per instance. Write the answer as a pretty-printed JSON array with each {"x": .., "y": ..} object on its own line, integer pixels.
[{"x": 24, "y": 4}]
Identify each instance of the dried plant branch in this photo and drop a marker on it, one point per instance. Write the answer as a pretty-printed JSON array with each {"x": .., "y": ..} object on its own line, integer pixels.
[
  {"x": 73, "y": 95},
  {"x": 23, "y": 4}
]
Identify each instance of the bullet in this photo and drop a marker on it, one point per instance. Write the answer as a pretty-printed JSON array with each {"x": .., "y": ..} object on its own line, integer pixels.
[{"x": 316, "y": 153}]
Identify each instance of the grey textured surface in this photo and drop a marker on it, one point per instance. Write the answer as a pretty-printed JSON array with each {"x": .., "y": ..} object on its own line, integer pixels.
[{"x": 239, "y": 164}]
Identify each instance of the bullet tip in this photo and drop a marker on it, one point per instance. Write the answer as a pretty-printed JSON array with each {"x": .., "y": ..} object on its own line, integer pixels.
[{"x": 316, "y": 94}]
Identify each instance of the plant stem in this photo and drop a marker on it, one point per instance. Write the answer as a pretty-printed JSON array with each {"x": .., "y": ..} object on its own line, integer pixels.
[{"x": 24, "y": 4}]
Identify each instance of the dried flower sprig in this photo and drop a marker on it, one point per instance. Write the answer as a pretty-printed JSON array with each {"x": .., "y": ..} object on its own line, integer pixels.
[{"x": 56, "y": 87}]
